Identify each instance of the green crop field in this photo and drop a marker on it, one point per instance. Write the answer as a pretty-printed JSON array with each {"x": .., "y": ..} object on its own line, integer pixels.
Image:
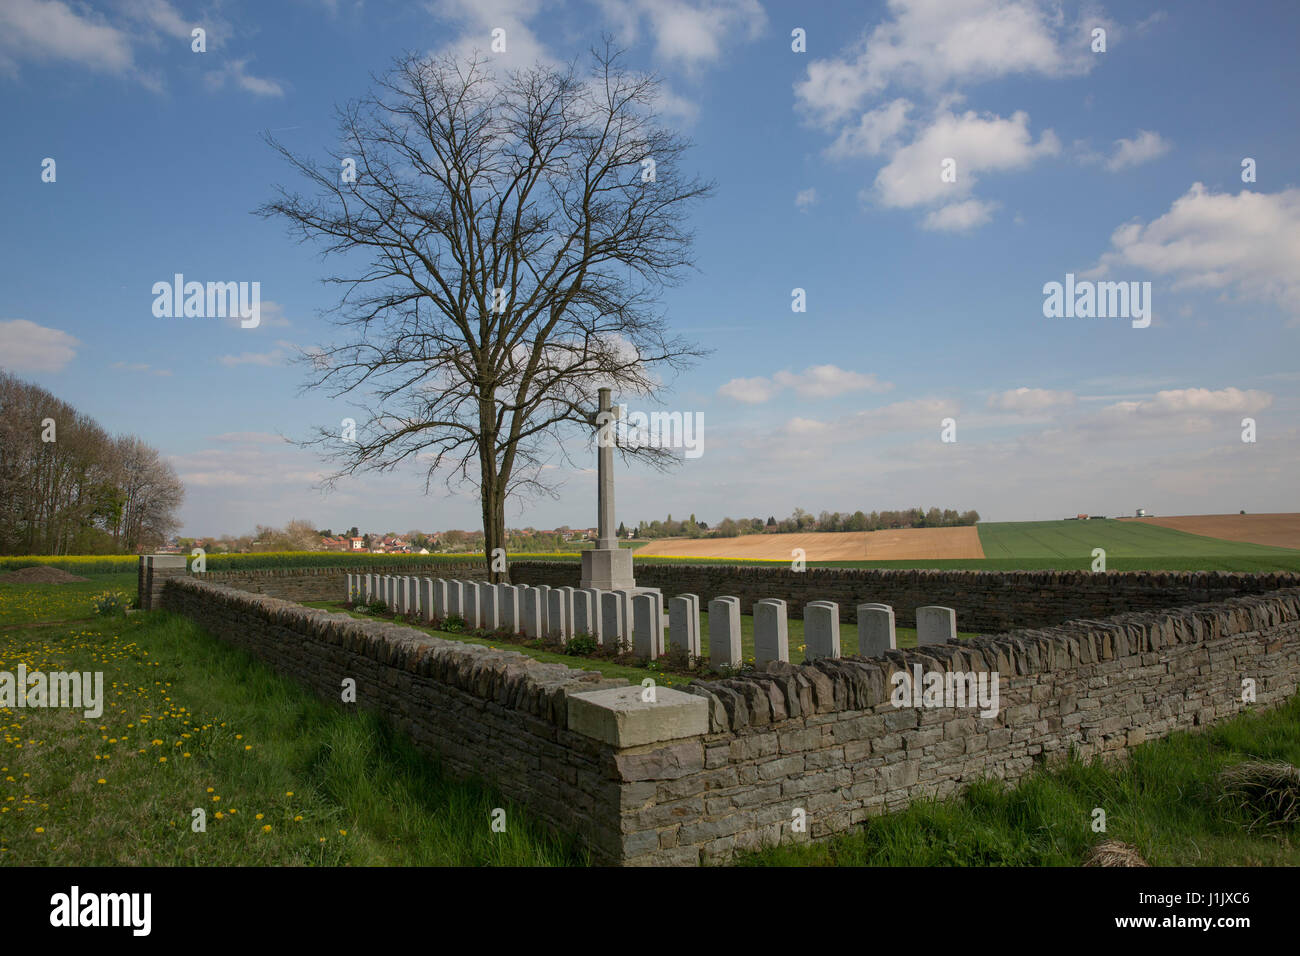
[{"x": 1120, "y": 539}]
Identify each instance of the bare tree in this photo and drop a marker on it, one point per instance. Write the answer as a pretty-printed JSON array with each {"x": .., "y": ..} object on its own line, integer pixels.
[{"x": 516, "y": 232}]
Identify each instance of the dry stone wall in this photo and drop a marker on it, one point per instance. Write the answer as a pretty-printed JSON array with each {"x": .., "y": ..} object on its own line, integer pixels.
[
  {"x": 826, "y": 743},
  {"x": 985, "y": 601}
]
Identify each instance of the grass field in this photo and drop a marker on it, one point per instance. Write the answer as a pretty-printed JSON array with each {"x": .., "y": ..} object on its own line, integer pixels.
[
  {"x": 1163, "y": 800},
  {"x": 1121, "y": 539},
  {"x": 1007, "y": 546},
  {"x": 192, "y": 723},
  {"x": 286, "y": 779}
]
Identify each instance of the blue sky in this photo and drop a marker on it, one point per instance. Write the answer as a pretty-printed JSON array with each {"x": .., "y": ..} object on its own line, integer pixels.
[{"x": 924, "y": 298}]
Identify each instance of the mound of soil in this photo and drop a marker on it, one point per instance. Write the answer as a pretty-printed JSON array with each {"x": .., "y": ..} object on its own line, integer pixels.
[{"x": 41, "y": 574}]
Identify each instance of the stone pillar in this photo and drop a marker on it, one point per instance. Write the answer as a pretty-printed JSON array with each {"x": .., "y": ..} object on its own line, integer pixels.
[
  {"x": 821, "y": 630},
  {"x": 771, "y": 632},
  {"x": 724, "y": 632},
  {"x": 875, "y": 630},
  {"x": 935, "y": 624},
  {"x": 154, "y": 569},
  {"x": 606, "y": 566}
]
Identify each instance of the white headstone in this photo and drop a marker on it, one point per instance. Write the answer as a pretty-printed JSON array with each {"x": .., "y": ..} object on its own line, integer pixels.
[
  {"x": 875, "y": 630},
  {"x": 489, "y": 616},
  {"x": 611, "y": 619},
  {"x": 724, "y": 632},
  {"x": 586, "y": 618},
  {"x": 684, "y": 624},
  {"x": 426, "y": 598},
  {"x": 469, "y": 609},
  {"x": 534, "y": 621},
  {"x": 557, "y": 617},
  {"x": 935, "y": 625},
  {"x": 821, "y": 630},
  {"x": 508, "y": 607},
  {"x": 646, "y": 627},
  {"x": 771, "y": 631},
  {"x": 544, "y": 604},
  {"x": 441, "y": 598}
]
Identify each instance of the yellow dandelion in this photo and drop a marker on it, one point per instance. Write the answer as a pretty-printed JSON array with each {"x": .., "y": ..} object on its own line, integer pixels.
[{"x": 266, "y": 828}]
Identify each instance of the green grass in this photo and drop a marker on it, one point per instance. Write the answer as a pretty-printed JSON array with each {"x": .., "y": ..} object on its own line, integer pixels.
[
  {"x": 263, "y": 744},
  {"x": 1120, "y": 539},
  {"x": 259, "y": 742},
  {"x": 1162, "y": 800}
]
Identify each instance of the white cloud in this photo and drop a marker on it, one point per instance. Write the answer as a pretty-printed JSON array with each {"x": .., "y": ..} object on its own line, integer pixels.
[
  {"x": 26, "y": 346},
  {"x": 828, "y": 381},
  {"x": 1248, "y": 243},
  {"x": 1172, "y": 412},
  {"x": 236, "y": 72},
  {"x": 978, "y": 144},
  {"x": 932, "y": 44},
  {"x": 142, "y": 367},
  {"x": 816, "y": 381},
  {"x": 751, "y": 391},
  {"x": 960, "y": 216},
  {"x": 688, "y": 34},
  {"x": 274, "y": 357},
  {"x": 913, "y": 415},
  {"x": 1142, "y": 148},
  {"x": 805, "y": 198},
  {"x": 1029, "y": 400},
  {"x": 52, "y": 30},
  {"x": 876, "y": 130}
]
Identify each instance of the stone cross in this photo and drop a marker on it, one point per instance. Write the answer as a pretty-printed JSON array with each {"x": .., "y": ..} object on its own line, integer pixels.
[{"x": 606, "y": 415}]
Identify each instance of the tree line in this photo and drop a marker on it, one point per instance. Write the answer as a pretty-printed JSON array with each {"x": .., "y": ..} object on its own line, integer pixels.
[
  {"x": 806, "y": 521},
  {"x": 69, "y": 487}
]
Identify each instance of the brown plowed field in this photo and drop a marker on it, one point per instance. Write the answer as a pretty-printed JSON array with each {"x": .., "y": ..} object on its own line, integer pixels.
[
  {"x": 904, "y": 544},
  {"x": 1279, "y": 530}
]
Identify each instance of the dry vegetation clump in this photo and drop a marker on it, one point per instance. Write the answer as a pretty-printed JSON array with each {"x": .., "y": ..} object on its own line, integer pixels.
[
  {"x": 1114, "y": 853},
  {"x": 1268, "y": 793}
]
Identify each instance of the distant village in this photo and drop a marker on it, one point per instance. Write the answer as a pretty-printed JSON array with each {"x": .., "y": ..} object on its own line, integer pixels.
[{"x": 300, "y": 536}]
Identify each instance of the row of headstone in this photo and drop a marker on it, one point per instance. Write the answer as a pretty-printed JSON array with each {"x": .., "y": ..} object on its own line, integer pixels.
[
  {"x": 821, "y": 630},
  {"x": 631, "y": 620},
  {"x": 634, "y": 620}
]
